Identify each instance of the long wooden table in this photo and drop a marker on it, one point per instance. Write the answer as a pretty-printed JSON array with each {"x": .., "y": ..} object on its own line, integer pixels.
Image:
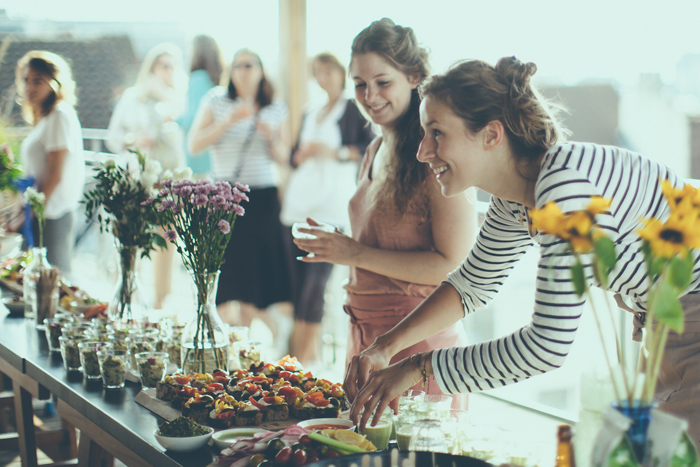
[{"x": 112, "y": 425}]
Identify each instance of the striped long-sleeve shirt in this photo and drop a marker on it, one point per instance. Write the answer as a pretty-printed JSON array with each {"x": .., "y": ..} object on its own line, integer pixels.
[{"x": 570, "y": 174}]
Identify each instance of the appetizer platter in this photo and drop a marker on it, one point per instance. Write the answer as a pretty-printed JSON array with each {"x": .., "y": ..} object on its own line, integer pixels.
[
  {"x": 71, "y": 297},
  {"x": 265, "y": 395}
]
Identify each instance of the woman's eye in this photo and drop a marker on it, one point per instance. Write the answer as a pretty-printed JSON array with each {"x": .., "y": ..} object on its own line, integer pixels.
[
  {"x": 436, "y": 133},
  {"x": 359, "y": 85},
  {"x": 383, "y": 83}
]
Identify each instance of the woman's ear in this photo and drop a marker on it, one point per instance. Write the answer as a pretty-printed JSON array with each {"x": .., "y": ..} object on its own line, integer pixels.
[
  {"x": 414, "y": 80},
  {"x": 493, "y": 133}
]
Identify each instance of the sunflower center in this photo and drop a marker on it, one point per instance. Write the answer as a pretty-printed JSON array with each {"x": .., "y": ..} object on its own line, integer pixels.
[{"x": 671, "y": 235}]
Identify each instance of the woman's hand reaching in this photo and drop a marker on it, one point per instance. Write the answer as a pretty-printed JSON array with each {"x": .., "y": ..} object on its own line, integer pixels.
[
  {"x": 383, "y": 389},
  {"x": 329, "y": 247}
]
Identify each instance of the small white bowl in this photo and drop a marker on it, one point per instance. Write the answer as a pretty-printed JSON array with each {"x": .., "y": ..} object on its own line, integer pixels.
[
  {"x": 178, "y": 444},
  {"x": 225, "y": 438},
  {"x": 310, "y": 424},
  {"x": 13, "y": 306}
]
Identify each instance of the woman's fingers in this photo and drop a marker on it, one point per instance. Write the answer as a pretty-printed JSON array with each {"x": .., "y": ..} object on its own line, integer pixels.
[{"x": 350, "y": 383}]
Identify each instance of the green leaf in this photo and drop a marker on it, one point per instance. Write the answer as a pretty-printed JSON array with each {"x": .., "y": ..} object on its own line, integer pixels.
[
  {"x": 160, "y": 241},
  {"x": 666, "y": 307},
  {"x": 578, "y": 278},
  {"x": 605, "y": 251},
  {"x": 657, "y": 265},
  {"x": 680, "y": 271}
]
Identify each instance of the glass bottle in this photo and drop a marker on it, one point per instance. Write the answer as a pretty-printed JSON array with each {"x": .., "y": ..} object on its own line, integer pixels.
[
  {"x": 565, "y": 447},
  {"x": 30, "y": 281}
]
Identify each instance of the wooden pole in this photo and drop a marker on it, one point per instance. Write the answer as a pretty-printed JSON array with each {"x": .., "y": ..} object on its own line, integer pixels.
[{"x": 293, "y": 64}]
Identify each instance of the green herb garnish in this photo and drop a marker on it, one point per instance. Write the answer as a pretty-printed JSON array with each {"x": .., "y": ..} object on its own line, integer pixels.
[{"x": 182, "y": 427}]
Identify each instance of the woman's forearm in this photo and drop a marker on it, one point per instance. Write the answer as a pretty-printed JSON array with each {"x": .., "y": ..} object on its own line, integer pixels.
[
  {"x": 202, "y": 138},
  {"x": 440, "y": 310},
  {"x": 49, "y": 184},
  {"x": 418, "y": 267}
]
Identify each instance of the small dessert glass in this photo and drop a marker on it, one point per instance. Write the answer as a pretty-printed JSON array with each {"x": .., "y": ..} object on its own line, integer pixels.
[
  {"x": 70, "y": 351},
  {"x": 152, "y": 367},
  {"x": 53, "y": 327},
  {"x": 113, "y": 367},
  {"x": 89, "y": 359}
]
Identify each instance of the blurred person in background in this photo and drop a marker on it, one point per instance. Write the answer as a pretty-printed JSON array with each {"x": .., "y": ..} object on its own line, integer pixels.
[
  {"x": 53, "y": 152},
  {"x": 406, "y": 236},
  {"x": 144, "y": 119},
  {"x": 332, "y": 141},
  {"x": 247, "y": 136},
  {"x": 206, "y": 70}
]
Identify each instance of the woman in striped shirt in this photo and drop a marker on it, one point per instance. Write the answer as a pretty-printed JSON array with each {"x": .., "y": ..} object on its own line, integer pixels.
[
  {"x": 487, "y": 127},
  {"x": 247, "y": 137}
]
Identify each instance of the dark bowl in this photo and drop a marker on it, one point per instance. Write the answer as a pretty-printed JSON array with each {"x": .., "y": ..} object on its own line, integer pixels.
[{"x": 423, "y": 459}]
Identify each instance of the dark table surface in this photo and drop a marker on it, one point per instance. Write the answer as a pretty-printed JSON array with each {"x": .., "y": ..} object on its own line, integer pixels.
[{"x": 113, "y": 410}]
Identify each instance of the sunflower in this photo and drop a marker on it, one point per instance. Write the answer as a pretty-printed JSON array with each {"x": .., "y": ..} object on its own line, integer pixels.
[
  {"x": 675, "y": 196},
  {"x": 673, "y": 237},
  {"x": 549, "y": 219},
  {"x": 598, "y": 205}
]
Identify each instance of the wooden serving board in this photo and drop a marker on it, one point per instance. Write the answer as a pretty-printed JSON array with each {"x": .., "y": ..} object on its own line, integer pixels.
[{"x": 147, "y": 398}]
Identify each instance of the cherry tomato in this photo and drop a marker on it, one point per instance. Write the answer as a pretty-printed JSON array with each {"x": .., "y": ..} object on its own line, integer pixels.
[
  {"x": 299, "y": 457},
  {"x": 330, "y": 453},
  {"x": 283, "y": 457},
  {"x": 305, "y": 440},
  {"x": 311, "y": 457},
  {"x": 256, "y": 460}
]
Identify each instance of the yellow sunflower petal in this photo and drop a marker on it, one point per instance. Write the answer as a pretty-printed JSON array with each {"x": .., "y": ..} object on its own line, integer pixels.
[
  {"x": 579, "y": 223},
  {"x": 598, "y": 205},
  {"x": 581, "y": 244},
  {"x": 548, "y": 219}
]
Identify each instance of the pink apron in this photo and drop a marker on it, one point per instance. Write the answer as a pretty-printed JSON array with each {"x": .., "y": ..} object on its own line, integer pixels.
[{"x": 374, "y": 315}]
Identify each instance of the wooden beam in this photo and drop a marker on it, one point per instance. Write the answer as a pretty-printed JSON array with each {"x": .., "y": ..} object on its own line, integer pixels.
[
  {"x": 24, "y": 416},
  {"x": 293, "y": 68}
]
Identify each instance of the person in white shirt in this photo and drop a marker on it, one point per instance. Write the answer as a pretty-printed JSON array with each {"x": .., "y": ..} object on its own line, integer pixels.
[
  {"x": 53, "y": 152},
  {"x": 144, "y": 119}
]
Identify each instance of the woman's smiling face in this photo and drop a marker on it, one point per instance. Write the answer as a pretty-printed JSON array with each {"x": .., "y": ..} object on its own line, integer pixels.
[
  {"x": 453, "y": 153},
  {"x": 382, "y": 90}
]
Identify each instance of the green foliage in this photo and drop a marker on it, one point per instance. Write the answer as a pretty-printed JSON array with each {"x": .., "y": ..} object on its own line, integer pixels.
[
  {"x": 680, "y": 271},
  {"x": 121, "y": 197},
  {"x": 578, "y": 278},
  {"x": 665, "y": 306}
]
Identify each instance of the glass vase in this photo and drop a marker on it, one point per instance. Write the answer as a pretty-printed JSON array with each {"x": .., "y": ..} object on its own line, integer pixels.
[
  {"x": 205, "y": 344},
  {"x": 640, "y": 414},
  {"x": 30, "y": 287},
  {"x": 128, "y": 305}
]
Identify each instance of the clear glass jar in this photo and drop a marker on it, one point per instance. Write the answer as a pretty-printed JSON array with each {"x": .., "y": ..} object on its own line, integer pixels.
[
  {"x": 70, "y": 351},
  {"x": 89, "y": 359},
  {"x": 152, "y": 368},
  {"x": 428, "y": 436}
]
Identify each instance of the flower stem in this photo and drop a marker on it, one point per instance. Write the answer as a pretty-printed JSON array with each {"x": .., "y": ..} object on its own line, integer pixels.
[
  {"x": 605, "y": 350},
  {"x": 620, "y": 357}
]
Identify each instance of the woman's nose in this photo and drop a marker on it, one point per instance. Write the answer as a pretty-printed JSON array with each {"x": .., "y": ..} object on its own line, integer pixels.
[{"x": 425, "y": 150}]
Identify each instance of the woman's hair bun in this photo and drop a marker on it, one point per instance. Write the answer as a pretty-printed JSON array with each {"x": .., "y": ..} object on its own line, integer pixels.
[{"x": 514, "y": 72}]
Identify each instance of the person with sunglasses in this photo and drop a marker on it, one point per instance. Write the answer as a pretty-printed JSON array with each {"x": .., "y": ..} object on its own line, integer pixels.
[{"x": 247, "y": 137}]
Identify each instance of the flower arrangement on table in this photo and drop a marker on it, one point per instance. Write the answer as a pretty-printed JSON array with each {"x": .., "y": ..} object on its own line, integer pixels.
[
  {"x": 121, "y": 193},
  {"x": 9, "y": 170},
  {"x": 198, "y": 217},
  {"x": 667, "y": 247}
]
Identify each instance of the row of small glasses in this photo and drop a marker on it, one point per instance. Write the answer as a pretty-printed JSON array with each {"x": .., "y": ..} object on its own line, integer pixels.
[{"x": 101, "y": 352}]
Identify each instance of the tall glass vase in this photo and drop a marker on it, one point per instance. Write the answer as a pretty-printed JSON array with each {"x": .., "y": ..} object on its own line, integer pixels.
[
  {"x": 128, "y": 305},
  {"x": 205, "y": 338}
]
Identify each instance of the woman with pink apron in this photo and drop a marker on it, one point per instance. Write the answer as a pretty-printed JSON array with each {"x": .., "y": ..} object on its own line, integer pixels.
[{"x": 406, "y": 236}]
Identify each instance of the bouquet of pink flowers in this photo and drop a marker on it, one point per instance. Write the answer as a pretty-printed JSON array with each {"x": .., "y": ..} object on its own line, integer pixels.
[
  {"x": 201, "y": 214},
  {"x": 198, "y": 217}
]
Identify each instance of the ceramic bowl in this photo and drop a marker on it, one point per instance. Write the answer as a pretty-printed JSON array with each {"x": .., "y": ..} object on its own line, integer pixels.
[
  {"x": 342, "y": 422},
  {"x": 225, "y": 438},
  {"x": 15, "y": 307},
  {"x": 191, "y": 443}
]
